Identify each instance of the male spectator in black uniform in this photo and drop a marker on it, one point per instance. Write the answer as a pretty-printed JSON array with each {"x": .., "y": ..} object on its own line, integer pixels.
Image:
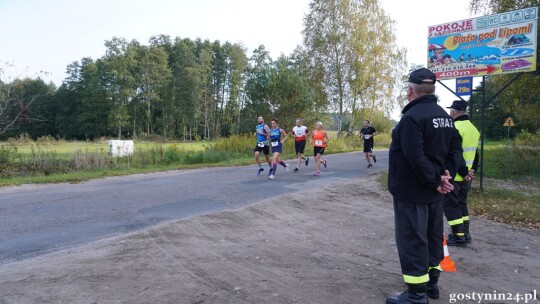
[
  {"x": 423, "y": 155},
  {"x": 367, "y": 134}
]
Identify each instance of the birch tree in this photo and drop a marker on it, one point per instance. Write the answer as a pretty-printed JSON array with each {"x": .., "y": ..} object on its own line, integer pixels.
[{"x": 351, "y": 44}]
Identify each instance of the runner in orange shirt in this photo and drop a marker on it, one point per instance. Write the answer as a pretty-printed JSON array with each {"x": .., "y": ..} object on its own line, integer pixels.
[{"x": 318, "y": 140}]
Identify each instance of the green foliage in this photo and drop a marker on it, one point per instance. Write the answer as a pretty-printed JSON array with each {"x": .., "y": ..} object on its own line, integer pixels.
[
  {"x": 8, "y": 153},
  {"x": 520, "y": 100},
  {"x": 172, "y": 155},
  {"x": 353, "y": 55},
  {"x": 235, "y": 145},
  {"x": 88, "y": 160},
  {"x": 21, "y": 138},
  {"x": 288, "y": 92},
  {"x": 528, "y": 139},
  {"x": 24, "y": 107},
  {"x": 198, "y": 89},
  {"x": 511, "y": 160},
  {"x": 22, "y": 157}
]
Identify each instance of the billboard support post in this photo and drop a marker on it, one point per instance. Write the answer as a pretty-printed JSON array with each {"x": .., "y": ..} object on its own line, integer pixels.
[
  {"x": 482, "y": 121},
  {"x": 483, "y": 107}
]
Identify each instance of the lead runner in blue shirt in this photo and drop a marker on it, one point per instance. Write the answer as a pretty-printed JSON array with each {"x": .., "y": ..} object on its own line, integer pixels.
[{"x": 262, "y": 132}]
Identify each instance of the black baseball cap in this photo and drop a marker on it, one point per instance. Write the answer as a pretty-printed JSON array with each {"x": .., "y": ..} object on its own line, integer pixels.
[
  {"x": 422, "y": 76},
  {"x": 459, "y": 105}
]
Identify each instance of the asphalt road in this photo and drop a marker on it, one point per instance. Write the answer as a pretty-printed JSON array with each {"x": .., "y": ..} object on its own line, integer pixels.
[{"x": 38, "y": 219}]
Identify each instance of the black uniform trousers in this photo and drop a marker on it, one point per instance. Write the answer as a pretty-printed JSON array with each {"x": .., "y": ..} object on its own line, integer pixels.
[
  {"x": 455, "y": 203},
  {"x": 419, "y": 238}
]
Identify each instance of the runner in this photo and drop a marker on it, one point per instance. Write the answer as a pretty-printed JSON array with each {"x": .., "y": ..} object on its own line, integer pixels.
[
  {"x": 318, "y": 140},
  {"x": 262, "y": 131},
  {"x": 277, "y": 147},
  {"x": 367, "y": 133},
  {"x": 300, "y": 132}
]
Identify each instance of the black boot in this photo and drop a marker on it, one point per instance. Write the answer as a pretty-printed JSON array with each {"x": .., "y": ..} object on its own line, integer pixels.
[
  {"x": 457, "y": 237},
  {"x": 432, "y": 289},
  {"x": 415, "y": 294},
  {"x": 468, "y": 237}
]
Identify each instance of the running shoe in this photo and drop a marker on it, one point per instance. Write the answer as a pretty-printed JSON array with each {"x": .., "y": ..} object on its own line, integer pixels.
[
  {"x": 295, "y": 170},
  {"x": 325, "y": 163},
  {"x": 307, "y": 161},
  {"x": 261, "y": 170},
  {"x": 271, "y": 171},
  {"x": 271, "y": 176},
  {"x": 370, "y": 165},
  {"x": 374, "y": 159},
  {"x": 287, "y": 167},
  {"x": 317, "y": 173}
]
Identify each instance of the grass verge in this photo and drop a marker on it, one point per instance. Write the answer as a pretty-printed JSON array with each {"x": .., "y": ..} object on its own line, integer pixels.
[
  {"x": 49, "y": 161},
  {"x": 508, "y": 206},
  {"x": 501, "y": 201}
]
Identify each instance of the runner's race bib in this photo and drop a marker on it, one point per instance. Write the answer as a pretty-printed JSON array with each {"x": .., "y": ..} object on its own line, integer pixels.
[
  {"x": 366, "y": 136},
  {"x": 260, "y": 144},
  {"x": 318, "y": 142},
  {"x": 275, "y": 143}
]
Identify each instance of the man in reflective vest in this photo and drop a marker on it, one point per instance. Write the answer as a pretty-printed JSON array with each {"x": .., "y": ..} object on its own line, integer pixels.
[{"x": 455, "y": 205}]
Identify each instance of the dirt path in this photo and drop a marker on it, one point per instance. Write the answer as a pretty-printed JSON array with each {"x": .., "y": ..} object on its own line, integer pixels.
[{"x": 330, "y": 245}]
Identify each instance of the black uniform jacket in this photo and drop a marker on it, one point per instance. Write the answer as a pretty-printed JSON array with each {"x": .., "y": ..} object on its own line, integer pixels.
[{"x": 424, "y": 144}]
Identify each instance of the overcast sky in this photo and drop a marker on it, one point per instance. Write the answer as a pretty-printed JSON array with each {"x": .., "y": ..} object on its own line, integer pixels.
[{"x": 47, "y": 35}]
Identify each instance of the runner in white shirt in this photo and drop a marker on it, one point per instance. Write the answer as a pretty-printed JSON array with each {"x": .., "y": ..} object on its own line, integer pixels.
[{"x": 300, "y": 133}]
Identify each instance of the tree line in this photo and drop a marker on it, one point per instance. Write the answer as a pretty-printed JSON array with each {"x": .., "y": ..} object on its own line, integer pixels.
[
  {"x": 348, "y": 68},
  {"x": 180, "y": 88}
]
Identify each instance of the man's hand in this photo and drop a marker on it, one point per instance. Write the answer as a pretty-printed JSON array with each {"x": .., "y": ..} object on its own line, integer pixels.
[
  {"x": 470, "y": 176},
  {"x": 445, "y": 186}
]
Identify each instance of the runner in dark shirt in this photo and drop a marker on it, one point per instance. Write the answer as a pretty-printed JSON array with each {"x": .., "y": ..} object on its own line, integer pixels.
[{"x": 367, "y": 134}]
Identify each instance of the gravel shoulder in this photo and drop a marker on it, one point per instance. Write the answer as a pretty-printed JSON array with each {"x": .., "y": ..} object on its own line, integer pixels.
[{"x": 332, "y": 244}]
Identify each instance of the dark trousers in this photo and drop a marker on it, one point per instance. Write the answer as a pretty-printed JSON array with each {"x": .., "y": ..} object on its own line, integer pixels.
[
  {"x": 419, "y": 237},
  {"x": 455, "y": 203}
]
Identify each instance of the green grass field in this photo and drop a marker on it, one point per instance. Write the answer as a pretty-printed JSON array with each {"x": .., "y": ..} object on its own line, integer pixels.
[
  {"x": 26, "y": 161},
  {"x": 65, "y": 149},
  {"x": 506, "y": 160}
]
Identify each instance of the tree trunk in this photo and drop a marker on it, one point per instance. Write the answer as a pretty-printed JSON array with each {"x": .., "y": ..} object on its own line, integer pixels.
[
  {"x": 148, "y": 119},
  {"x": 134, "y": 121}
]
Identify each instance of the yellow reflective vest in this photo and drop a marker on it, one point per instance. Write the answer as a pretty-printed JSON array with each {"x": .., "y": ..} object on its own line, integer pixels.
[{"x": 469, "y": 142}]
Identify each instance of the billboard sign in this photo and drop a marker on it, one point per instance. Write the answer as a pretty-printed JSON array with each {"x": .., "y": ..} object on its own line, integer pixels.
[{"x": 490, "y": 45}]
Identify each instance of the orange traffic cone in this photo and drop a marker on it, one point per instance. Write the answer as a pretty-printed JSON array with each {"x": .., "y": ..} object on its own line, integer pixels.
[{"x": 447, "y": 264}]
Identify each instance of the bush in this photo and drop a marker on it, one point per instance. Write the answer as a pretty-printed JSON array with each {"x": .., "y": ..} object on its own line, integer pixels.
[
  {"x": 528, "y": 139},
  {"x": 512, "y": 160},
  {"x": 48, "y": 140},
  {"x": 236, "y": 144},
  {"x": 172, "y": 155},
  {"x": 86, "y": 160},
  {"x": 8, "y": 153},
  {"x": 151, "y": 137},
  {"x": 22, "y": 138}
]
